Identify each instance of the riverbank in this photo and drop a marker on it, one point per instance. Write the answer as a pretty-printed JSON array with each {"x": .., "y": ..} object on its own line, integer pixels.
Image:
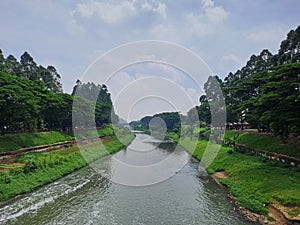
[
  {"x": 255, "y": 182},
  {"x": 11, "y": 142},
  {"x": 266, "y": 141},
  {"x": 35, "y": 169}
]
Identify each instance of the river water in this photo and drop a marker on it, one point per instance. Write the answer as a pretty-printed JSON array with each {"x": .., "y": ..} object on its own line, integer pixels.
[{"x": 189, "y": 196}]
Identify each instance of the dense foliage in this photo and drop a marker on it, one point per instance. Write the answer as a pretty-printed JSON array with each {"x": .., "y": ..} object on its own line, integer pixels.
[
  {"x": 171, "y": 119},
  {"x": 28, "y": 68},
  {"x": 265, "y": 92},
  {"x": 31, "y": 98},
  {"x": 97, "y": 93}
]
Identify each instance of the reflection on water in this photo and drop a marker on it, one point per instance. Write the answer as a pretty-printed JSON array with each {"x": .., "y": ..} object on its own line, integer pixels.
[
  {"x": 87, "y": 197},
  {"x": 143, "y": 163}
]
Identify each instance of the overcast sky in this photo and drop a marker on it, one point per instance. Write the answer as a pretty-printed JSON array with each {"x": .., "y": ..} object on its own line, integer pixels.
[{"x": 70, "y": 35}]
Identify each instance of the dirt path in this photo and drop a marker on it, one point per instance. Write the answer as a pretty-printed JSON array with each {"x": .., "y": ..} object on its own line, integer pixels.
[
  {"x": 278, "y": 217},
  {"x": 280, "y": 214},
  {"x": 220, "y": 174}
]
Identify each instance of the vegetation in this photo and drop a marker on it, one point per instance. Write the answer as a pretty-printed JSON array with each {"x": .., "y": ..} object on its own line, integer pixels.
[
  {"x": 36, "y": 169},
  {"x": 16, "y": 141},
  {"x": 254, "y": 181},
  {"x": 174, "y": 125},
  {"x": 265, "y": 92},
  {"x": 31, "y": 99},
  {"x": 267, "y": 142},
  {"x": 27, "y": 106},
  {"x": 104, "y": 112},
  {"x": 27, "y": 68},
  {"x": 11, "y": 142},
  {"x": 171, "y": 120},
  {"x": 34, "y": 111}
]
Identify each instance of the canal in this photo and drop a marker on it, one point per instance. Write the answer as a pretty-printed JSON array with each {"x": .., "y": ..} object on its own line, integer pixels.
[{"x": 107, "y": 192}]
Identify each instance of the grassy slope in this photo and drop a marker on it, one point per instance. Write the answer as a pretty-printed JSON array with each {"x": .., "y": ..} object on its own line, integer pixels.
[
  {"x": 43, "y": 168},
  {"x": 268, "y": 142},
  {"x": 254, "y": 181},
  {"x": 11, "y": 142}
]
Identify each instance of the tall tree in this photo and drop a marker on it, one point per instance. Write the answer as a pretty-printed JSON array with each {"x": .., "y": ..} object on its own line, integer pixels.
[
  {"x": 2, "y": 61},
  {"x": 104, "y": 111},
  {"x": 277, "y": 104},
  {"x": 29, "y": 67},
  {"x": 12, "y": 66},
  {"x": 290, "y": 48},
  {"x": 50, "y": 78}
]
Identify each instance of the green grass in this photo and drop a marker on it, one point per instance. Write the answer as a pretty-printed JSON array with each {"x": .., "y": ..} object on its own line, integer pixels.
[
  {"x": 294, "y": 212},
  {"x": 9, "y": 166},
  {"x": 172, "y": 135},
  {"x": 267, "y": 142},
  {"x": 189, "y": 145},
  {"x": 82, "y": 134},
  {"x": 11, "y": 142},
  {"x": 42, "y": 168},
  {"x": 254, "y": 181}
]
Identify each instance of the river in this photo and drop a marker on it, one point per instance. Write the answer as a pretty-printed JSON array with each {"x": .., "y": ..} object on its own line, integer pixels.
[{"x": 188, "y": 196}]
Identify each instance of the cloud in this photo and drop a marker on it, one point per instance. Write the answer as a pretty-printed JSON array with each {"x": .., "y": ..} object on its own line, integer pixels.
[
  {"x": 107, "y": 12},
  {"x": 208, "y": 3},
  {"x": 158, "y": 70},
  {"x": 115, "y": 13},
  {"x": 149, "y": 88},
  {"x": 152, "y": 94},
  {"x": 72, "y": 34},
  {"x": 227, "y": 62},
  {"x": 194, "y": 95},
  {"x": 208, "y": 20},
  {"x": 163, "y": 32},
  {"x": 230, "y": 59},
  {"x": 119, "y": 81},
  {"x": 266, "y": 35},
  {"x": 160, "y": 8}
]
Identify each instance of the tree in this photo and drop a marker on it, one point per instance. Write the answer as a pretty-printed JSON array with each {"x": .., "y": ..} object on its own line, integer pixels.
[
  {"x": 50, "y": 78},
  {"x": 290, "y": 48},
  {"x": 277, "y": 104},
  {"x": 12, "y": 66},
  {"x": 20, "y": 104},
  {"x": 29, "y": 67},
  {"x": 2, "y": 61},
  {"x": 193, "y": 116},
  {"x": 100, "y": 98}
]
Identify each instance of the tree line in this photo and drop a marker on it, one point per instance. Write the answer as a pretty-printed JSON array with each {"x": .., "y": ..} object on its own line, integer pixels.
[
  {"x": 31, "y": 98},
  {"x": 265, "y": 92},
  {"x": 172, "y": 121},
  {"x": 27, "y": 68}
]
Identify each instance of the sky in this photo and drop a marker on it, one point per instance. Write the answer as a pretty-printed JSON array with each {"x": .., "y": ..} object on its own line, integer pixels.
[{"x": 72, "y": 35}]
